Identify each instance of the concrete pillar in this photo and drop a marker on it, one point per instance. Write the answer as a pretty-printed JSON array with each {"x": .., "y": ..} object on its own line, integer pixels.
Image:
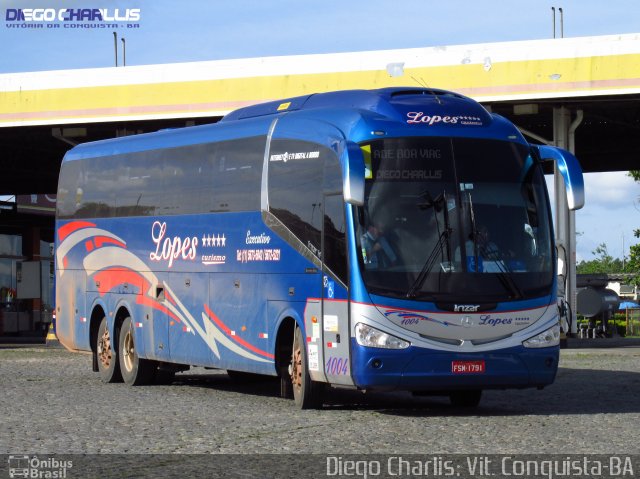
[{"x": 565, "y": 228}]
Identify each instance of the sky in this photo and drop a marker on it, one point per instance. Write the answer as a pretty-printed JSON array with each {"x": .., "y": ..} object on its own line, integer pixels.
[{"x": 192, "y": 30}]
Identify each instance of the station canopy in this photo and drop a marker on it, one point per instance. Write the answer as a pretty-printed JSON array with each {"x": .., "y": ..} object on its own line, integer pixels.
[{"x": 44, "y": 113}]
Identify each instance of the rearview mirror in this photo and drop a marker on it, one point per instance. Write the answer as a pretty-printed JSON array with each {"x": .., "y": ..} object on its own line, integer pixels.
[
  {"x": 570, "y": 170},
  {"x": 353, "y": 174}
]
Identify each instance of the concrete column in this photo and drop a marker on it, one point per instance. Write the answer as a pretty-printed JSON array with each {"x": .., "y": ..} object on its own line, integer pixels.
[
  {"x": 565, "y": 228},
  {"x": 31, "y": 249}
]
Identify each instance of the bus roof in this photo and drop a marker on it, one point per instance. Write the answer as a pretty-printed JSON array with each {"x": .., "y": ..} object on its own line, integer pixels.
[
  {"x": 357, "y": 113},
  {"x": 382, "y": 101}
]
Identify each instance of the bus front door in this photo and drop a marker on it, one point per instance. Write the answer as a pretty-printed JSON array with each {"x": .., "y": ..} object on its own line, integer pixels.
[{"x": 335, "y": 305}]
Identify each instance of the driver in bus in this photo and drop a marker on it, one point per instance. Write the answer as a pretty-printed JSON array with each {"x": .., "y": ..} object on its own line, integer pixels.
[
  {"x": 376, "y": 251},
  {"x": 489, "y": 255}
]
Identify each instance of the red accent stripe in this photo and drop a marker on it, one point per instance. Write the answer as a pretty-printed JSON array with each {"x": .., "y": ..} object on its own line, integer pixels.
[
  {"x": 69, "y": 228},
  {"x": 238, "y": 340},
  {"x": 89, "y": 246},
  {"x": 110, "y": 278},
  {"x": 170, "y": 298},
  {"x": 145, "y": 300},
  {"x": 102, "y": 240}
]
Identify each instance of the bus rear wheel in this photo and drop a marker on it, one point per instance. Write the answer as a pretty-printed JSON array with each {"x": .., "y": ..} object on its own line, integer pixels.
[
  {"x": 466, "y": 398},
  {"x": 307, "y": 394},
  {"x": 107, "y": 356},
  {"x": 135, "y": 370}
]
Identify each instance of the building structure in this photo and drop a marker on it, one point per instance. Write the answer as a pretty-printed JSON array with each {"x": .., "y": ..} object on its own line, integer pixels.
[{"x": 582, "y": 94}]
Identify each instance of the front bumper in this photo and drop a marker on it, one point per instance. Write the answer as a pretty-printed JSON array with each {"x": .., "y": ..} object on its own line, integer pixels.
[{"x": 421, "y": 369}]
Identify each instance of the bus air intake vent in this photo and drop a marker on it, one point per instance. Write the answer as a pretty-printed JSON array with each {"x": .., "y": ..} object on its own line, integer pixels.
[
  {"x": 477, "y": 342},
  {"x": 430, "y": 91},
  {"x": 453, "y": 342}
]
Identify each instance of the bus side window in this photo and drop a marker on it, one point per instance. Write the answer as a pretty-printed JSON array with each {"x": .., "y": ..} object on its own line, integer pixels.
[
  {"x": 295, "y": 189},
  {"x": 237, "y": 175},
  {"x": 335, "y": 245},
  {"x": 98, "y": 185},
  {"x": 69, "y": 189}
]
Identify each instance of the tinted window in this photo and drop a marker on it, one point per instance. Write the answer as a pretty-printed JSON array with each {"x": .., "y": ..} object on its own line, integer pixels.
[
  {"x": 454, "y": 220},
  {"x": 335, "y": 245},
  {"x": 237, "y": 175},
  {"x": 295, "y": 188},
  {"x": 300, "y": 175},
  {"x": 68, "y": 184},
  {"x": 204, "y": 178}
]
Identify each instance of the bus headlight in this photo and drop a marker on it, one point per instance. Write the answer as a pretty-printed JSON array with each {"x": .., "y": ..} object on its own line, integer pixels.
[
  {"x": 546, "y": 339},
  {"x": 374, "y": 338}
]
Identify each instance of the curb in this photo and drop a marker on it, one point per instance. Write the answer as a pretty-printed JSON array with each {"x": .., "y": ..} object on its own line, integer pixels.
[{"x": 617, "y": 342}]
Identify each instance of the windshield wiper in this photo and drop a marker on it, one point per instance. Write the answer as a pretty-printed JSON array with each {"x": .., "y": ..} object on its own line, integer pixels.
[
  {"x": 440, "y": 202},
  {"x": 417, "y": 284},
  {"x": 474, "y": 230},
  {"x": 504, "y": 275}
]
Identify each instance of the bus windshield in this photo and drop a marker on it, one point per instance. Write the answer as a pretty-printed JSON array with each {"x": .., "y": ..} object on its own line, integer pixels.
[{"x": 454, "y": 219}]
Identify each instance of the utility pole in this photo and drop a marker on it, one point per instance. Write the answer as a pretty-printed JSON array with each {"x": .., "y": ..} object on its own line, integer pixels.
[
  {"x": 115, "y": 46},
  {"x": 124, "y": 53},
  {"x": 553, "y": 21}
]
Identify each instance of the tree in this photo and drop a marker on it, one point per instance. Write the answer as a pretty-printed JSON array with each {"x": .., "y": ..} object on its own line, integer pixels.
[
  {"x": 633, "y": 265},
  {"x": 604, "y": 262}
]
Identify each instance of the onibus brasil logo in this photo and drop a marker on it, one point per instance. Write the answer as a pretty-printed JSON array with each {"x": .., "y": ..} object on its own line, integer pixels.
[{"x": 35, "y": 467}]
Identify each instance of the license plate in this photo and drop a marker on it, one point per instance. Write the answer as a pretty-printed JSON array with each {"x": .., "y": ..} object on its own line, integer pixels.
[{"x": 467, "y": 367}]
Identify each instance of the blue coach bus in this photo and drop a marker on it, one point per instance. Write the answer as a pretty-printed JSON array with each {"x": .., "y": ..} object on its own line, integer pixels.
[{"x": 395, "y": 239}]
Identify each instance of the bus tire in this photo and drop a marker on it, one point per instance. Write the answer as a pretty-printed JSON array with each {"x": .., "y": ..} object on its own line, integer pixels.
[
  {"x": 135, "y": 370},
  {"x": 466, "y": 398},
  {"x": 307, "y": 394},
  {"x": 106, "y": 355}
]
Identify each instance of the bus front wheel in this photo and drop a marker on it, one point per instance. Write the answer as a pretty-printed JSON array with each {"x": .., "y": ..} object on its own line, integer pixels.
[
  {"x": 307, "y": 394},
  {"x": 106, "y": 355},
  {"x": 135, "y": 370}
]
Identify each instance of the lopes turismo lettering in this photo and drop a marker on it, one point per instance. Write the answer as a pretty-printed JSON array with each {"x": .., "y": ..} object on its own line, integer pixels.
[
  {"x": 419, "y": 117},
  {"x": 170, "y": 249},
  {"x": 487, "y": 320}
]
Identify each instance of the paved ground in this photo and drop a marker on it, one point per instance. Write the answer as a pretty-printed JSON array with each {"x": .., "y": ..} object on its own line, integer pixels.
[{"x": 51, "y": 402}]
